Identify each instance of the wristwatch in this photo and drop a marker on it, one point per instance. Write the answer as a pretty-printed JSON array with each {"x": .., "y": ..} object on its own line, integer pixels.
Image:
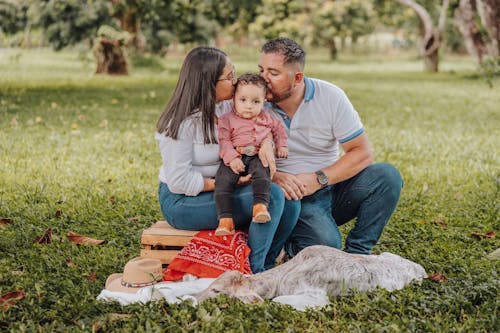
[{"x": 321, "y": 178}]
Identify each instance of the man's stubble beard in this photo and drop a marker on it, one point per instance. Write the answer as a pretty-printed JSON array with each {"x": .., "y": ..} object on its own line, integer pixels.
[{"x": 276, "y": 98}]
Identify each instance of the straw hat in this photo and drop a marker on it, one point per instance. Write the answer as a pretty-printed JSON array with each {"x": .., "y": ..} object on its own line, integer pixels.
[{"x": 138, "y": 273}]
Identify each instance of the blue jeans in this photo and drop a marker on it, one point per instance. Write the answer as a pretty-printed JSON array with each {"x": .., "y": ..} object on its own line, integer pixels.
[
  {"x": 264, "y": 239},
  {"x": 370, "y": 198}
]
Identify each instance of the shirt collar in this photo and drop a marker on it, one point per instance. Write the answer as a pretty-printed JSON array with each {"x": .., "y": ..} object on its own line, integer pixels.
[{"x": 309, "y": 94}]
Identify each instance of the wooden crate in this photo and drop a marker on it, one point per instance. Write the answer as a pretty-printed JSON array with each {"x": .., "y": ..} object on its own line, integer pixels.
[{"x": 161, "y": 241}]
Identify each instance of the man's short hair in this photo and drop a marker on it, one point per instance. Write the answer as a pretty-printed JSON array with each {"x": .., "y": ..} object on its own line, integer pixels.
[{"x": 290, "y": 49}]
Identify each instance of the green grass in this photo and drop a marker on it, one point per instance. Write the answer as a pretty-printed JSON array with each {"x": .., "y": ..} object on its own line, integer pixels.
[{"x": 78, "y": 154}]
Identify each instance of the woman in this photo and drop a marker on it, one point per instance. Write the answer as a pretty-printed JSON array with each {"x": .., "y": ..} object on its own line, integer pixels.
[{"x": 187, "y": 135}]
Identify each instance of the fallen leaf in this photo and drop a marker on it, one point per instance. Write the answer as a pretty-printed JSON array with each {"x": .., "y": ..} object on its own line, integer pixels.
[
  {"x": 69, "y": 262},
  {"x": 38, "y": 120},
  {"x": 5, "y": 221},
  {"x": 103, "y": 123},
  {"x": 458, "y": 196},
  {"x": 82, "y": 117},
  {"x": 74, "y": 126},
  {"x": 46, "y": 238},
  {"x": 421, "y": 222},
  {"x": 440, "y": 223},
  {"x": 53, "y": 105},
  {"x": 425, "y": 187},
  {"x": 96, "y": 326},
  {"x": 436, "y": 277},
  {"x": 112, "y": 200},
  {"x": 8, "y": 300},
  {"x": 58, "y": 213},
  {"x": 92, "y": 276},
  {"x": 135, "y": 219},
  {"x": 114, "y": 101},
  {"x": 480, "y": 235},
  {"x": 79, "y": 239},
  {"x": 14, "y": 122}
]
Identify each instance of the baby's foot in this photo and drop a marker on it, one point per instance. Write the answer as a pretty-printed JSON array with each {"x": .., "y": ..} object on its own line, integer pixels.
[
  {"x": 260, "y": 213},
  {"x": 226, "y": 227}
]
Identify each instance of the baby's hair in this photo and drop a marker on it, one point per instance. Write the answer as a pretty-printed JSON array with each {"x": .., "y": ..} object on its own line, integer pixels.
[{"x": 251, "y": 78}]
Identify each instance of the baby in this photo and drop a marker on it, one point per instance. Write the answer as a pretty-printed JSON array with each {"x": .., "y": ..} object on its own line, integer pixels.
[{"x": 241, "y": 134}]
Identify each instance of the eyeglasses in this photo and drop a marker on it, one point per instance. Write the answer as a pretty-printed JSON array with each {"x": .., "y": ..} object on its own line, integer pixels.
[{"x": 231, "y": 77}]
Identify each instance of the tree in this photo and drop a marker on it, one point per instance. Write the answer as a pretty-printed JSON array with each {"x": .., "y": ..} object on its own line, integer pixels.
[
  {"x": 67, "y": 22},
  {"x": 489, "y": 11},
  {"x": 234, "y": 16},
  {"x": 465, "y": 20},
  {"x": 480, "y": 41},
  {"x": 431, "y": 37},
  {"x": 13, "y": 16},
  {"x": 109, "y": 53},
  {"x": 343, "y": 18},
  {"x": 283, "y": 18},
  {"x": 128, "y": 13}
]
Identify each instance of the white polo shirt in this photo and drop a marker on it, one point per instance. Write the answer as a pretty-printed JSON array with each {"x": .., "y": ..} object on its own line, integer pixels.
[{"x": 324, "y": 118}]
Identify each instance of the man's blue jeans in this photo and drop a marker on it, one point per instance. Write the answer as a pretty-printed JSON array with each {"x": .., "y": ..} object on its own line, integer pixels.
[
  {"x": 264, "y": 239},
  {"x": 370, "y": 198}
]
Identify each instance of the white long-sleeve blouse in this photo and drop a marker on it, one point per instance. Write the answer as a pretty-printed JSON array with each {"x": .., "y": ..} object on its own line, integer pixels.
[{"x": 188, "y": 159}]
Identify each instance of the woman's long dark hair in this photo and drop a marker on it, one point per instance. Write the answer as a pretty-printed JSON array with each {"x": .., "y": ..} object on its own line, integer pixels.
[{"x": 195, "y": 92}]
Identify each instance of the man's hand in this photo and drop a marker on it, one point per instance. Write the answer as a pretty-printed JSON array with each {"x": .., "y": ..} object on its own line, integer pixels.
[
  {"x": 310, "y": 182},
  {"x": 293, "y": 187},
  {"x": 237, "y": 165},
  {"x": 282, "y": 152},
  {"x": 266, "y": 156}
]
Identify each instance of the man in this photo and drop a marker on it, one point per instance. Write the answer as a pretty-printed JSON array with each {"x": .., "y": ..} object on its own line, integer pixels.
[{"x": 318, "y": 117}]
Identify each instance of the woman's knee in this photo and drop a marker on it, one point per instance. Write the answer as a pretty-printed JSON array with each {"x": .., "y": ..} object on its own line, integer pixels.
[
  {"x": 291, "y": 211},
  {"x": 277, "y": 197}
]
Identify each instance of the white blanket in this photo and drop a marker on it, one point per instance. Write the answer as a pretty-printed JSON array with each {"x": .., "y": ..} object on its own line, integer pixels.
[{"x": 176, "y": 292}]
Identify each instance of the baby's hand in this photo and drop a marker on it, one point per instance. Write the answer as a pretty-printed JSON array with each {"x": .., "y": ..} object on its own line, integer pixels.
[
  {"x": 237, "y": 165},
  {"x": 282, "y": 152}
]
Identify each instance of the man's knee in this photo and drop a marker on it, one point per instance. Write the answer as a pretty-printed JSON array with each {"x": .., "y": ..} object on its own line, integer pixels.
[
  {"x": 331, "y": 239},
  {"x": 304, "y": 237},
  {"x": 388, "y": 177}
]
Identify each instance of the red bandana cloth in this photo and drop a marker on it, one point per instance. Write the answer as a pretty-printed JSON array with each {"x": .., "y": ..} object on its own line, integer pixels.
[{"x": 207, "y": 255}]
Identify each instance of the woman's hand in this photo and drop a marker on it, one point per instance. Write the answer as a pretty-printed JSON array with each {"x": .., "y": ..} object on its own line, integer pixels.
[
  {"x": 208, "y": 184},
  {"x": 266, "y": 155}
]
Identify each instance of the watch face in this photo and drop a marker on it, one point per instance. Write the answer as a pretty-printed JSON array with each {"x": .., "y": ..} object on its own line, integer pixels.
[{"x": 322, "y": 178}]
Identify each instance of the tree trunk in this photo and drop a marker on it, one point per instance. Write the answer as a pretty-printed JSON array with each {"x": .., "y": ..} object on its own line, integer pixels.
[
  {"x": 332, "y": 47},
  {"x": 464, "y": 21},
  {"x": 431, "y": 61},
  {"x": 489, "y": 12},
  {"x": 431, "y": 40},
  {"x": 131, "y": 23},
  {"x": 110, "y": 57}
]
